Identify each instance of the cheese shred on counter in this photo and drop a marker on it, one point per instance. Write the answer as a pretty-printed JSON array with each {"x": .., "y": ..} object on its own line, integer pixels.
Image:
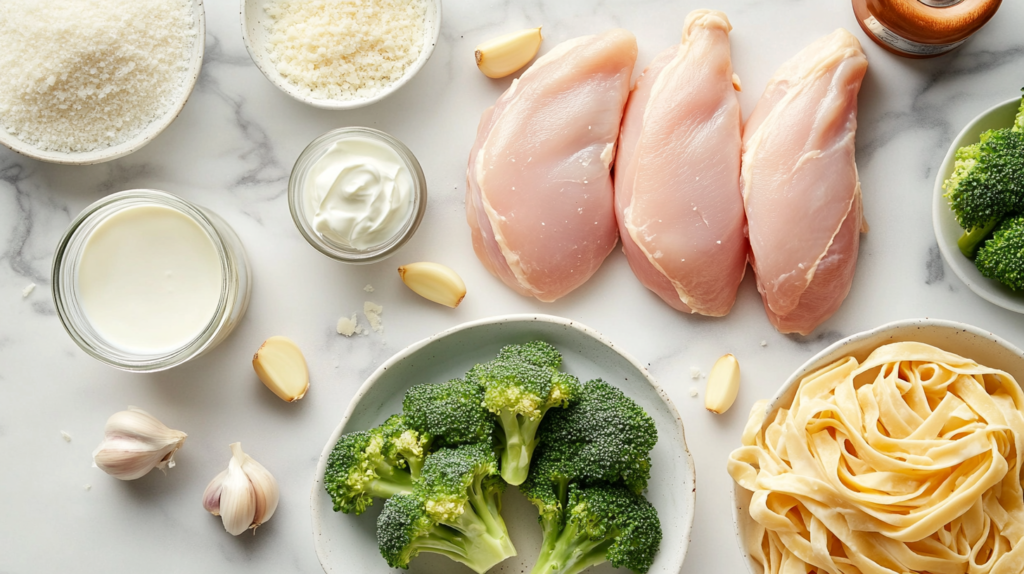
[
  {"x": 909, "y": 462},
  {"x": 345, "y": 49},
  {"x": 81, "y": 75}
]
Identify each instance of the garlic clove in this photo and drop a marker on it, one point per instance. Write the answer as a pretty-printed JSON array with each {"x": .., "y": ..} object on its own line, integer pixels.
[
  {"x": 244, "y": 496},
  {"x": 211, "y": 496},
  {"x": 282, "y": 368},
  {"x": 501, "y": 56},
  {"x": 134, "y": 443},
  {"x": 267, "y": 492},
  {"x": 434, "y": 282},
  {"x": 723, "y": 384}
]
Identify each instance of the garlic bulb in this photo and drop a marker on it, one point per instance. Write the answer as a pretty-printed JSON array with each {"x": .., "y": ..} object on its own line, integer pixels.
[
  {"x": 134, "y": 443},
  {"x": 244, "y": 496}
]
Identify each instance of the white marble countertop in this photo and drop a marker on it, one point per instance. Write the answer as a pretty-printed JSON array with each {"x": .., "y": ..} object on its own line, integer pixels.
[{"x": 231, "y": 150}]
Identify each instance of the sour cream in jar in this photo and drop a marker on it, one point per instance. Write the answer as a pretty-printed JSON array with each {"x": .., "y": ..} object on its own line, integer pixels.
[{"x": 357, "y": 194}]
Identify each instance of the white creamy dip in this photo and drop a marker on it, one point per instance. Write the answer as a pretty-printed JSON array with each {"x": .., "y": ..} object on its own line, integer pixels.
[
  {"x": 359, "y": 193},
  {"x": 149, "y": 279}
]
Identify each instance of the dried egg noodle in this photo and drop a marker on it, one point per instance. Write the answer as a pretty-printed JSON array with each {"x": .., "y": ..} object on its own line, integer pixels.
[{"x": 907, "y": 463}]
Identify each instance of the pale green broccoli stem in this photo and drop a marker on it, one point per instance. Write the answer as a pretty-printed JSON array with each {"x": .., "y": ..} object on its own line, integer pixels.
[
  {"x": 483, "y": 549},
  {"x": 549, "y": 530},
  {"x": 389, "y": 482},
  {"x": 971, "y": 240},
  {"x": 520, "y": 440},
  {"x": 573, "y": 552}
]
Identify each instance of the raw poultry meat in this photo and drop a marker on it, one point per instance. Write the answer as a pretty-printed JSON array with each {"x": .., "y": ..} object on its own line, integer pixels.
[
  {"x": 539, "y": 193},
  {"x": 677, "y": 175},
  {"x": 800, "y": 186}
]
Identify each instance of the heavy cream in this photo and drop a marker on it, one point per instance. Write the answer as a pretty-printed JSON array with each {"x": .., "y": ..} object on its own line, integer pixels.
[
  {"x": 149, "y": 279},
  {"x": 359, "y": 193}
]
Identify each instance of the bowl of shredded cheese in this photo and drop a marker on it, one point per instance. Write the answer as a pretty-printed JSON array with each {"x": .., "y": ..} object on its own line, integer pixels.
[
  {"x": 87, "y": 81},
  {"x": 340, "y": 54},
  {"x": 895, "y": 450}
]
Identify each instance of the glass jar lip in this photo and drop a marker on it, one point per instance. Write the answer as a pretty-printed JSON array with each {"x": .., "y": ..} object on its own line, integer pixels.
[
  {"x": 313, "y": 152},
  {"x": 64, "y": 288}
]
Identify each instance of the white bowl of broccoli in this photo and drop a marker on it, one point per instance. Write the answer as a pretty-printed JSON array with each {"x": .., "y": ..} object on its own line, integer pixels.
[
  {"x": 977, "y": 221},
  {"x": 439, "y": 367}
]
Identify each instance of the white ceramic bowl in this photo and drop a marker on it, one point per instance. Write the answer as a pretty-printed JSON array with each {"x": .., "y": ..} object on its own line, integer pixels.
[
  {"x": 347, "y": 543},
  {"x": 146, "y": 135},
  {"x": 948, "y": 231},
  {"x": 964, "y": 340},
  {"x": 255, "y": 34}
]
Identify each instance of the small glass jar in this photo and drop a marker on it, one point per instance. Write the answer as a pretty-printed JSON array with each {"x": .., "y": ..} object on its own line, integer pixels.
[
  {"x": 922, "y": 28},
  {"x": 235, "y": 282},
  {"x": 301, "y": 212}
]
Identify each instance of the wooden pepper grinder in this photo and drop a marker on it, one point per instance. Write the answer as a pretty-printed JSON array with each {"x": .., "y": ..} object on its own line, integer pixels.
[{"x": 922, "y": 28}]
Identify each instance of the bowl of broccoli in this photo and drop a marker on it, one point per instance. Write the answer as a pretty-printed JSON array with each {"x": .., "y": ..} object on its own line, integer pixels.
[
  {"x": 520, "y": 443},
  {"x": 978, "y": 210}
]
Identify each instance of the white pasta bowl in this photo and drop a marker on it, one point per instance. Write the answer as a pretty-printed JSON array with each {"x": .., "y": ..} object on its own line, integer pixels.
[
  {"x": 255, "y": 35},
  {"x": 147, "y": 134},
  {"x": 967, "y": 341},
  {"x": 347, "y": 543},
  {"x": 948, "y": 231}
]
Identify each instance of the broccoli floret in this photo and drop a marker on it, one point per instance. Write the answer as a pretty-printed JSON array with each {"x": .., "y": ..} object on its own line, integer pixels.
[
  {"x": 452, "y": 413},
  {"x": 520, "y": 386},
  {"x": 604, "y": 437},
  {"x": 455, "y": 511},
  {"x": 602, "y": 524},
  {"x": 378, "y": 463},
  {"x": 988, "y": 179},
  {"x": 1002, "y": 257}
]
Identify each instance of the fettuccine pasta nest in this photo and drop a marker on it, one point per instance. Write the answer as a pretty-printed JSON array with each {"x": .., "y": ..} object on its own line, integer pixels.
[{"x": 907, "y": 463}]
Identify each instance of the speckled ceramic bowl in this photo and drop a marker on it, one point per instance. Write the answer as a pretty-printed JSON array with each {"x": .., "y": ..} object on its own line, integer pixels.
[
  {"x": 147, "y": 134},
  {"x": 948, "y": 231},
  {"x": 255, "y": 34},
  {"x": 964, "y": 340},
  {"x": 347, "y": 543}
]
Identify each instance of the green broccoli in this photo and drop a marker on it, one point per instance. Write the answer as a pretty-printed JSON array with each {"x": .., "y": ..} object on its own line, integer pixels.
[
  {"x": 451, "y": 413},
  {"x": 378, "y": 463},
  {"x": 987, "y": 183},
  {"x": 604, "y": 437},
  {"x": 520, "y": 386},
  {"x": 1002, "y": 257},
  {"x": 601, "y": 524},
  {"x": 455, "y": 510}
]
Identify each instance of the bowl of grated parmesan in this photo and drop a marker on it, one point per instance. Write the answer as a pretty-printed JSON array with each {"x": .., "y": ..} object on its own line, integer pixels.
[
  {"x": 88, "y": 81},
  {"x": 340, "y": 54}
]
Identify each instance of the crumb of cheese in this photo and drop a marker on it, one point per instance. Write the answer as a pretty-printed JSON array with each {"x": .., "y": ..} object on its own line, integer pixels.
[
  {"x": 368, "y": 288},
  {"x": 695, "y": 373},
  {"x": 28, "y": 290},
  {"x": 372, "y": 312},
  {"x": 349, "y": 326}
]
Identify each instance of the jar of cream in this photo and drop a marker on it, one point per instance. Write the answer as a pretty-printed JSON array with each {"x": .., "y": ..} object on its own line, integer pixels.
[
  {"x": 357, "y": 194},
  {"x": 144, "y": 280}
]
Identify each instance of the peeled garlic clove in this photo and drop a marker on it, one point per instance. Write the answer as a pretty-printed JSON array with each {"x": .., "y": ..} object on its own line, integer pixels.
[
  {"x": 435, "y": 282},
  {"x": 723, "y": 384},
  {"x": 505, "y": 54},
  {"x": 244, "y": 496},
  {"x": 134, "y": 443},
  {"x": 282, "y": 368}
]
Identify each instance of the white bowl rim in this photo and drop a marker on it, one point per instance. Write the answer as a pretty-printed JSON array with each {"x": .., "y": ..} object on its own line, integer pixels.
[
  {"x": 332, "y": 104},
  {"x": 941, "y": 211},
  {"x": 691, "y": 497},
  {"x": 811, "y": 363},
  {"x": 145, "y": 136}
]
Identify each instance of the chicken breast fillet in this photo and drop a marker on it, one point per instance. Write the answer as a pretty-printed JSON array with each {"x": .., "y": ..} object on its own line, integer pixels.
[
  {"x": 677, "y": 176},
  {"x": 539, "y": 193},
  {"x": 800, "y": 186}
]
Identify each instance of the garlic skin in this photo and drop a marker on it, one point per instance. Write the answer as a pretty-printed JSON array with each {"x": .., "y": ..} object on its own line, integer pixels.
[
  {"x": 134, "y": 443},
  {"x": 244, "y": 496}
]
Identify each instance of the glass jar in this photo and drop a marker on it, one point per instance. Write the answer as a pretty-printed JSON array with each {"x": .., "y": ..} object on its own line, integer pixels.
[
  {"x": 235, "y": 282},
  {"x": 922, "y": 28},
  {"x": 303, "y": 214}
]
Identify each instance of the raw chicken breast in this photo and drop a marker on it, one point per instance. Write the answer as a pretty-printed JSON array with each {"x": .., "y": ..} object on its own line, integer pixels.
[
  {"x": 677, "y": 175},
  {"x": 539, "y": 195},
  {"x": 800, "y": 185}
]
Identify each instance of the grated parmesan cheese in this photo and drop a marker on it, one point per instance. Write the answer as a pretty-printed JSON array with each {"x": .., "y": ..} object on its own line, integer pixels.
[
  {"x": 345, "y": 49},
  {"x": 80, "y": 75}
]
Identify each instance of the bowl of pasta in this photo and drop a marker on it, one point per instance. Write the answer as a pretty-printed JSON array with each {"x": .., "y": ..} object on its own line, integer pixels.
[{"x": 896, "y": 449}]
